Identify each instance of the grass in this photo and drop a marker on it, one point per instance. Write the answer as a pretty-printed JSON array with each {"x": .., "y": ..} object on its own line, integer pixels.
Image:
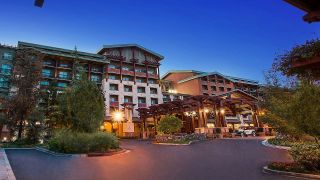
[
  {"x": 291, "y": 167},
  {"x": 177, "y": 142},
  {"x": 286, "y": 142}
]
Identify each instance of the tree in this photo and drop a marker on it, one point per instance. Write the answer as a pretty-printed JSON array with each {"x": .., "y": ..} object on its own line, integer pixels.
[
  {"x": 35, "y": 126},
  {"x": 25, "y": 88},
  {"x": 169, "y": 124},
  {"x": 82, "y": 106}
]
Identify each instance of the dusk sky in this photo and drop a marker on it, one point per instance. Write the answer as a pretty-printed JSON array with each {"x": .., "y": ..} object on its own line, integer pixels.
[{"x": 237, "y": 38}]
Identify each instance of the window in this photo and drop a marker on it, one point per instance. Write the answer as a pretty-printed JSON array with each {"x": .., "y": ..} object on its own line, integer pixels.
[
  {"x": 114, "y": 77},
  {"x": 127, "y": 99},
  {"x": 227, "y": 82},
  {"x": 127, "y": 78},
  {"x": 220, "y": 81},
  {"x": 176, "y": 97},
  {"x": 154, "y": 101},
  {"x": 213, "y": 80},
  {"x": 4, "y": 82},
  {"x": 113, "y": 98},
  {"x": 153, "y": 91},
  {"x": 127, "y": 88},
  {"x": 204, "y": 87},
  {"x": 204, "y": 79},
  {"x": 63, "y": 75},
  {"x": 141, "y": 70},
  {"x": 6, "y": 69},
  {"x": 7, "y": 56},
  {"x": 166, "y": 98},
  {"x": 213, "y": 88},
  {"x": 221, "y": 88},
  {"x": 96, "y": 69},
  {"x": 141, "y": 90},
  {"x": 44, "y": 83},
  {"x": 228, "y": 89},
  {"x": 62, "y": 84},
  {"x": 48, "y": 62},
  {"x": 113, "y": 87},
  {"x": 95, "y": 78},
  {"x": 46, "y": 73},
  {"x": 206, "y": 94},
  {"x": 141, "y": 100},
  {"x": 152, "y": 81},
  {"x": 127, "y": 68},
  {"x": 141, "y": 80},
  {"x": 114, "y": 66},
  {"x": 151, "y": 70},
  {"x": 64, "y": 64}
]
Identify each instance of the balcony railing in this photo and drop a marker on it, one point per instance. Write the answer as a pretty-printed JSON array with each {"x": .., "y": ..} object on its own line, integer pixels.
[
  {"x": 142, "y": 105},
  {"x": 114, "y": 104}
]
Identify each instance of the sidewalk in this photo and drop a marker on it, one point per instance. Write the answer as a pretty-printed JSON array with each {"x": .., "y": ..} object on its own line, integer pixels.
[{"x": 6, "y": 172}]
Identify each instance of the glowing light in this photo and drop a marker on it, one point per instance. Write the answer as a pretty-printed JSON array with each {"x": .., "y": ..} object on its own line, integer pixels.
[
  {"x": 194, "y": 113},
  {"x": 37, "y": 123},
  {"x": 4, "y": 139},
  {"x": 222, "y": 111},
  {"x": 186, "y": 113},
  {"x": 172, "y": 91},
  {"x": 118, "y": 116},
  {"x": 206, "y": 110}
]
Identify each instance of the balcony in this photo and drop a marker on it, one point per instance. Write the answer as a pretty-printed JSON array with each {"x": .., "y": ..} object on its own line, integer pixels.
[
  {"x": 142, "y": 105},
  {"x": 155, "y": 76},
  {"x": 112, "y": 70},
  {"x": 126, "y": 72},
  {"x": 114, "y": 104},
  {"x": 141, "y": 74}
]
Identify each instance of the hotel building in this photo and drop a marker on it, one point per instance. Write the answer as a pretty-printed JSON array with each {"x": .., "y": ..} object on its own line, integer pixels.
[
  {"x": 191, "y": 82},
  {"x": 132, "y": 78}
]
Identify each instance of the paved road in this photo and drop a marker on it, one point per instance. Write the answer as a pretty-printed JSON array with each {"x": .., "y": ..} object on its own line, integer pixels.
[{"x": 225, "y": 159}]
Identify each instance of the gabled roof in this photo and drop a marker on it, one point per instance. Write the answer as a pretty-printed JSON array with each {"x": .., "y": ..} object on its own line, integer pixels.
[
  {"x": 239, "y": 91},
  {"x": 181, "y": 71},
  {"x": 230, "y": 78},
  {"x": 64, "y": 52},
  {"x": 131, "y": 45}
]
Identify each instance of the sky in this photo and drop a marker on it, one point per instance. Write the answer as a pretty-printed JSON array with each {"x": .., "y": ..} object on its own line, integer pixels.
[{"x": 236, "y": 38}]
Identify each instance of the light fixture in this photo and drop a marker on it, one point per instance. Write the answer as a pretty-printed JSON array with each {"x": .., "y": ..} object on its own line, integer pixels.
[
  {"x": 206, "y": 110},
  {"x": 118, "y": 115},
  {"x": 222, "y": 111},
  {"x": 194, "y": 113}
]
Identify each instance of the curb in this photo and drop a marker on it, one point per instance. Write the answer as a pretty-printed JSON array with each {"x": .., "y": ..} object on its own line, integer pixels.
[
  {"x": 266, "y": 143},
  {"x": 44, "y": 150},
  {"x": 172, "y": 144},
  {"x": 10, "y": 173},
  {"x": 287, "y": 173}
]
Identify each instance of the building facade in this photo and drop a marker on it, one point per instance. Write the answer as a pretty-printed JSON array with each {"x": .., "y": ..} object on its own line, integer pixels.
[
  {"x": 206, "y": 83},
  {"x": 6, "y": 57},
  {"x": 132, "y": 78},
  {"x": 61, "y": 66}
]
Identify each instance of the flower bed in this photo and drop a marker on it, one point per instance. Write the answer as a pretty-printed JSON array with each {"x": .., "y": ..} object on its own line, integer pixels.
[
  {"x": 179, "y": 138},
  {"x": 291, "y": 167}
]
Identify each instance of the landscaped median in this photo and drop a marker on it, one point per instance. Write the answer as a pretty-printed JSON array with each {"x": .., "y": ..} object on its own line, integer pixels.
[
  {"x": 306, "y": 158},
  {"x": 178, "y": 139}
]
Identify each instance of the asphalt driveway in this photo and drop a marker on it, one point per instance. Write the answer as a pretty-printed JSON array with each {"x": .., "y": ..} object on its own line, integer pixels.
[{"x": 225, "y": 159}]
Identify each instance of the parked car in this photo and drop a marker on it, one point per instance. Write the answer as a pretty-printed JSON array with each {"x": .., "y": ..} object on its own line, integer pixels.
[{"x": 246, "y": 132}]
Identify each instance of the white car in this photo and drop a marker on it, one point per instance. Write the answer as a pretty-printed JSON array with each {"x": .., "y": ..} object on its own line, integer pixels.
[{"x": 246, "y": 132}]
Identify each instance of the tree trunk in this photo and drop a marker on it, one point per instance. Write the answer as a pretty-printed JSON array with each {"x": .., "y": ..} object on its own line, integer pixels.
[
  {"x": 20, "y": 128},
  {"x": 1, "y": 127}
]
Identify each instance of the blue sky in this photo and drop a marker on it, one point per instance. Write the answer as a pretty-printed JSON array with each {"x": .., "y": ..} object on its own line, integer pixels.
[{"x": 238, "y": 38}]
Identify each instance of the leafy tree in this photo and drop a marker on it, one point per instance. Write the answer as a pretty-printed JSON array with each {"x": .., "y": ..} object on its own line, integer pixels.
[
  {"x": 35, "y": 126},
  {"x": 25, "y": 85},
  {"x": 82, "y": 106},
  {"x": 169, "y": 124}
]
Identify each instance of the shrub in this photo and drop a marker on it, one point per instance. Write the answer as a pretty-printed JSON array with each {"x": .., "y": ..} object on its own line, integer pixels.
[
  {"x": 307, "y": 155},
  {"x": 170, "y": 125},
  {"x": 218, "y": 131},
  {"x": 66, "y": 141},
  {"x": 260, "y": 129}
]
